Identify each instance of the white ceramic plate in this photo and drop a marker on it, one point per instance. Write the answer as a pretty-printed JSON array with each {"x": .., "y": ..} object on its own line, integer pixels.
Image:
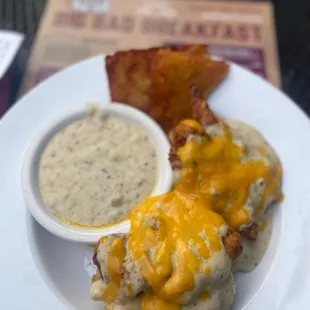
[{"x": 40, "y": 271}]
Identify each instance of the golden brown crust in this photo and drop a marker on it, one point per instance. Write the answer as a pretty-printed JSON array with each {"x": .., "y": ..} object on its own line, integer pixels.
[
  {"x": 250, "y": 231},
  {"x": 233, "y": 243},
  {"x": 129, "y": 73},
  {"x": 201, "y": 110},
  {"x": 172, "y": 75},
  {"x": 98, "y": 275},
  {"x": 178, "y": 137},
  {"x": 179, "y": 134},
  {"x": 157, "y": 80}
]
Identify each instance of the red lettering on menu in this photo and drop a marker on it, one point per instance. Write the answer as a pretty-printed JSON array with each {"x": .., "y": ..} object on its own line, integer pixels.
[
  {"x": 161, "y": 25},
  {"x": 98, "y": 21},
  {"x": 127, "y": 24},
  {"x": 202, "y": 30},
  {"x": 61, "y": 19},
  {"x": 257, "y": 32},
  {"x": 187, "y": 29},
  {"x": 149, "y": 25},
  {"x": 228, "y": 33},
  {"x": 167, "y": 26},
  {"x": 209, "y": 31},
  {"x": 243, "y": 33},
  {"x": 78, "y": 20},
  {"x": 114, "y": 23},
  {"x": 74, "y": 20},
  {"x": 146, "y": 25},
  {"x": 214, "y": 30}
]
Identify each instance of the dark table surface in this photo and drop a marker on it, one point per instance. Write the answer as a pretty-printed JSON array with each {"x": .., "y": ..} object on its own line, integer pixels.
[{"x": 293, "y": 34}]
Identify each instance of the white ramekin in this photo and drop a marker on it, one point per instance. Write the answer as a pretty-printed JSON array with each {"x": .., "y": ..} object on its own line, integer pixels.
[{"x": 30, "y": 183}]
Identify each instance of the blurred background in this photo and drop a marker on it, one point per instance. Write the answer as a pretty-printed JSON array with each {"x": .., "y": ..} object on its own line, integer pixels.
[{"x": 292, "y": 24}]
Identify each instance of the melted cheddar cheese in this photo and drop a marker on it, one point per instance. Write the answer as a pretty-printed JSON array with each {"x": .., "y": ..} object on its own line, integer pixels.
[
  {"x": 216, "y": 170},
  {"x": 172, "y": 237},
  {"x": 193, "y": 124},
  {"x": 116, "y": 258}
]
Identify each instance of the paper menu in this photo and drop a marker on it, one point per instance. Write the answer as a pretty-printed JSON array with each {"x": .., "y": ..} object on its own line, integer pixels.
[{"x": 71, "y": 31}]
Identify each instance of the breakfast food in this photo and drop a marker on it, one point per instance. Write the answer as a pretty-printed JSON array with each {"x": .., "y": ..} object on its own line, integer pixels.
[
  {"x": 183, "y": 246},
  {"x": 166, "y": 258},
  {"x": 157, "y": 80},
  {"x": 229, "y": 164},
  {"x": 93, "y": 171}
]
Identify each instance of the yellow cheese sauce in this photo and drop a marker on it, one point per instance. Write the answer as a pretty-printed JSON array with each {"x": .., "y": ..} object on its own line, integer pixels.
[
  {"x": 96, "y": 169},
  {"x": 236, "y": 172}
]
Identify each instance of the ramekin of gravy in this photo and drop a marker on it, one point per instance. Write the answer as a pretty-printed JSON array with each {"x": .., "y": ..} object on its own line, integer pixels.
[{"x": 88, "y": 169}]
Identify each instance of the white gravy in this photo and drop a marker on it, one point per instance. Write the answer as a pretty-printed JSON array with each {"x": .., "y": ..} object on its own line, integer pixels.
[
  {"x": 248, "y": 137},
  {"x": 94, "y": 170},
  {"x": 254, "y": 251}
]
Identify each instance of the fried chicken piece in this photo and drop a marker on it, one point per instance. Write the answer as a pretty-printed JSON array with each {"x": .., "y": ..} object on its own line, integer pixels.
[
  {"x": 202, "y": 116},
  {"x": 132, "y": 282},
  {"x": 178, "y": 137},
  {"x": 250, "y": 231},
  {"x": 233, "y": 243},
  {"x": 157, "y": 80},
  {"x": 201, "y": 110},
  {"x": 102, "y": 255},
  {"x": 97, "y": 276},
  {"x": 132, "y": 277}
]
